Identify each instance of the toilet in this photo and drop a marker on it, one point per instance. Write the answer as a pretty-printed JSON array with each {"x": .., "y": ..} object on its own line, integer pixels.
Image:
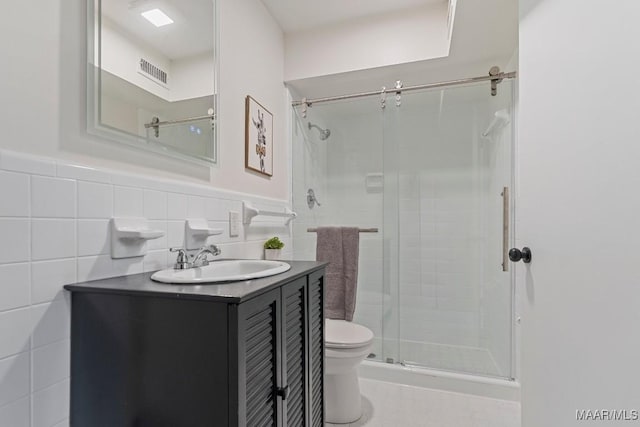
[{"x": 346, "y": 345}]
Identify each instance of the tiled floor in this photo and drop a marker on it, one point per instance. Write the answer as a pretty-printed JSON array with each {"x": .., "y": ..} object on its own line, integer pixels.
[{"x": 396, "y": 405}]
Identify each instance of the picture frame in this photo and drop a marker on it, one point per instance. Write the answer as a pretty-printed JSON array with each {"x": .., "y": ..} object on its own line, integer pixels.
[{"x": 258, "y": 138}]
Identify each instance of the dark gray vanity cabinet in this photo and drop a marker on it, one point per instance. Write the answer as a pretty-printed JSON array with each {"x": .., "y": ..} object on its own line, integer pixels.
[
  {"x": 180, "y": 360},
  {"x": 281, "y": 356}
]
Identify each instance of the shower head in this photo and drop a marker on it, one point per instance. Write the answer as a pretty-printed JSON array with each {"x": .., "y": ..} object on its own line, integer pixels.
[
  {"x": 500, "y": 118},
  {"x": 324, "y": 133}
]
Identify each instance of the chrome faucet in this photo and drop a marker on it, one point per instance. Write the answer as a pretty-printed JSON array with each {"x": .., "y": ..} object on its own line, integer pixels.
[
  {"x": 199, "y": 259},
  {"x": 182, "y": 262}
]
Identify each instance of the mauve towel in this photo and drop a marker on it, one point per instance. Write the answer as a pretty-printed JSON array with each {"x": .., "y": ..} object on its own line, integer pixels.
[{"x": 339, "y": 246}]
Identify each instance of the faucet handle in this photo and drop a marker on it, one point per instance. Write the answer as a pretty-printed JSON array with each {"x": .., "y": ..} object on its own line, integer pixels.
[
  {"x": 213, "y": 249},
  {"x": 182, "y": 262},
  {"x": 216, "y": 250}
]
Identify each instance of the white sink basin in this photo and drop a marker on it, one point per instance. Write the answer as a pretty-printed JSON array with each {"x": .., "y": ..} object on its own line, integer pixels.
[{"x": 222, "y": 271}]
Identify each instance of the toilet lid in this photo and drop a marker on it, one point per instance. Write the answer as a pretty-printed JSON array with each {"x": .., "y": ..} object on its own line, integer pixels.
[{"x": 343, "y": 334}]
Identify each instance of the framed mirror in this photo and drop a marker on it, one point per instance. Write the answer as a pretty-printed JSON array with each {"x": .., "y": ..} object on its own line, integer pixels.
[{"x": 152, "y": 75}]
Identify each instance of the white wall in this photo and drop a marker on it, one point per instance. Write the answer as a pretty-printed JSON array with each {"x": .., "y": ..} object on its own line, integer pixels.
[
  {"x": 189, "y": 77},
  {"x": 578, "y": 208},
  {"x": 251, "y": 52},
  {"x": 120, "y": 54},
  {"x": 393, "y": 38},
  {"x": 54, "y": 209},
  {"x": 43, "y": 93}
]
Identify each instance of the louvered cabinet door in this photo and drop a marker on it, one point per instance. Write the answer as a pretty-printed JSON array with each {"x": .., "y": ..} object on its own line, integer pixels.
[
  {"x": 316, "y": 349},
  {"x": 294, "y": 313},
  {"x": 259, "y": 360}
]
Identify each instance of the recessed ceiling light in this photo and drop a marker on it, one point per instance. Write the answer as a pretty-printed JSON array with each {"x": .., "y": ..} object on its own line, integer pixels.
[{"x": 157, "y": 17}]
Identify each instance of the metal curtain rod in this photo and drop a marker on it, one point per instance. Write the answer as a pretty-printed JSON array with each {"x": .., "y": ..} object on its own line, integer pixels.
[
  {"x": 155, "y": 122},
  {"x": 495, "y": 76},
  {"x": 361, "y": 230}
]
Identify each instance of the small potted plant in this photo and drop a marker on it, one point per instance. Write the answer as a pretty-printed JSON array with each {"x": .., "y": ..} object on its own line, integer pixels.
[{"x": 273, "y": 248}]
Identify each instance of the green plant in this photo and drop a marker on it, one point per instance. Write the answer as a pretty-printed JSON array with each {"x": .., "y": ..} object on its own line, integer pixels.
[{"x": 273, "y": 243}]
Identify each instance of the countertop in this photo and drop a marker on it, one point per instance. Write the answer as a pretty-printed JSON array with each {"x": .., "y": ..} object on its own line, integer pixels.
[{"x": 230, "y": 292}]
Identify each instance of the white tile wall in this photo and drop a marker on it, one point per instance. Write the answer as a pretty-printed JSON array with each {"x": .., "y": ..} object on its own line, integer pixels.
[
  {"x": 50, "y": 364},
  {"x": 128, "y": 201},
  {"x": 176, "y": 206},
  {"x": 50, "y": 321},
  {"x": 14, "y": 286},
  {"x": 14, "y": 193},
  {"x": 16, "y": 414},
  {"x": 94, "y": 237},
  {"x": 53, "y": 197},
  {"x": 15, "y": 240},
  {"x": 155, "y": 205},
  {"x": 95, "y": 200},
  {"x": 54, "y": 229},
  {"x": 53, "y": 238},
  {"x": 51, "y": 405},
  {"x": 14, "y": 371},
  {"x": 15, "y": 327}
]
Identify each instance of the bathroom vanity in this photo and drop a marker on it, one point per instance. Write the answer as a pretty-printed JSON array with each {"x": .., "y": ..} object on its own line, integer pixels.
[{"x": 235, "y": 354}]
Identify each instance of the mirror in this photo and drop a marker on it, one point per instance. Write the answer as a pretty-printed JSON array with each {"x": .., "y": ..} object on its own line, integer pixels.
[{"x": 152, "y": 80}]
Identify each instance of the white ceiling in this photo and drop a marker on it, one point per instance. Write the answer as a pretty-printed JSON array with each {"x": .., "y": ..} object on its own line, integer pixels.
[
  {"x": 191, "y": 33},
  {"x": 296, "y": 15},
  {"x": 485, "y": 33}
]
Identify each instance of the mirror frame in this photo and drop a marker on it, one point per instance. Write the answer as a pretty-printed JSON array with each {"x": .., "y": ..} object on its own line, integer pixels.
[{"x": 94, "y": 84}]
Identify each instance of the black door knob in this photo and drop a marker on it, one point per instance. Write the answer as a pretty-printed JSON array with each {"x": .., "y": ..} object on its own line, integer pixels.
[
  {"x": 516, "y": 255},
  {"x": 282, "y": 392}
]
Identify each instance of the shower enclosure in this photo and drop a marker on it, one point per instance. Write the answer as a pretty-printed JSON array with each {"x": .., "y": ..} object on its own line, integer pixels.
[{"x": 432, "y": 175}]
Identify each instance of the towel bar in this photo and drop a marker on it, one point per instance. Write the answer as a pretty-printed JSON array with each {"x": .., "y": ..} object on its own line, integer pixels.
[{"x": 361, "y": 230}]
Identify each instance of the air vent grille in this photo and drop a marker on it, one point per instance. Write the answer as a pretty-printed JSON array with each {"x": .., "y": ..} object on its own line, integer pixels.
[{"x": 152, "y": 71}]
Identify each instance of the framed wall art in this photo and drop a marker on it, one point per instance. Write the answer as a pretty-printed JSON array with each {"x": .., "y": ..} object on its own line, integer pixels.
[{"x": 258, "y": 137}]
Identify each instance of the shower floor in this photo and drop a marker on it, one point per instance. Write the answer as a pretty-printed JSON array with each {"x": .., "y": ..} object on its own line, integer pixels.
[
  {"x": 394, "y": 405},
  {"x": 471, "y": 360}
]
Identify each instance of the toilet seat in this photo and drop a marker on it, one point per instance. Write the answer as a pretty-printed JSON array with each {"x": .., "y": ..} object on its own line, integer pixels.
[{"x": 341, "y": 334}]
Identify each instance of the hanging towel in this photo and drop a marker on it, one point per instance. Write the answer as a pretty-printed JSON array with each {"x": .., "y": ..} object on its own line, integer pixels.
[{"x": 339, "y": 246}]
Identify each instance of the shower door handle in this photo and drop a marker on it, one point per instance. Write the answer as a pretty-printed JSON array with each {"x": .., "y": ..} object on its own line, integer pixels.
[{"x": 505, "y": 228}]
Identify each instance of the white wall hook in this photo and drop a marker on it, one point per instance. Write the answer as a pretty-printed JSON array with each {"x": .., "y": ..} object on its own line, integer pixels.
[
  {"x": 129, "y": 237},
  {"x": 197, "y": 231}
]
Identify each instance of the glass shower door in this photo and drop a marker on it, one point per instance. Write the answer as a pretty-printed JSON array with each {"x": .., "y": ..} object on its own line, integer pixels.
[
  {"x": 344, "y": 170},
  {"x": 447, "y": 161}
]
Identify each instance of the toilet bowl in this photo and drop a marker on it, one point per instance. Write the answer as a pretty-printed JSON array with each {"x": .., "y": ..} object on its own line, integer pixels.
[{"x": 346, "y": 345}]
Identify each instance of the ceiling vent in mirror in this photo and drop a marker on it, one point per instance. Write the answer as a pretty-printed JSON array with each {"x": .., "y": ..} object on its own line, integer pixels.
[{"x": 152, "y": 72}]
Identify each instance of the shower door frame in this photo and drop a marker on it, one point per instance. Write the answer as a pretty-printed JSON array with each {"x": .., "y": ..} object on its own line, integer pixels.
[{"x": 514, "y": 330}]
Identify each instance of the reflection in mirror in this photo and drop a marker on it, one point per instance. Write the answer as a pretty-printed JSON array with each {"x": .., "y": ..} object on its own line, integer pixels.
[{"x": 152, "y": 75}]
